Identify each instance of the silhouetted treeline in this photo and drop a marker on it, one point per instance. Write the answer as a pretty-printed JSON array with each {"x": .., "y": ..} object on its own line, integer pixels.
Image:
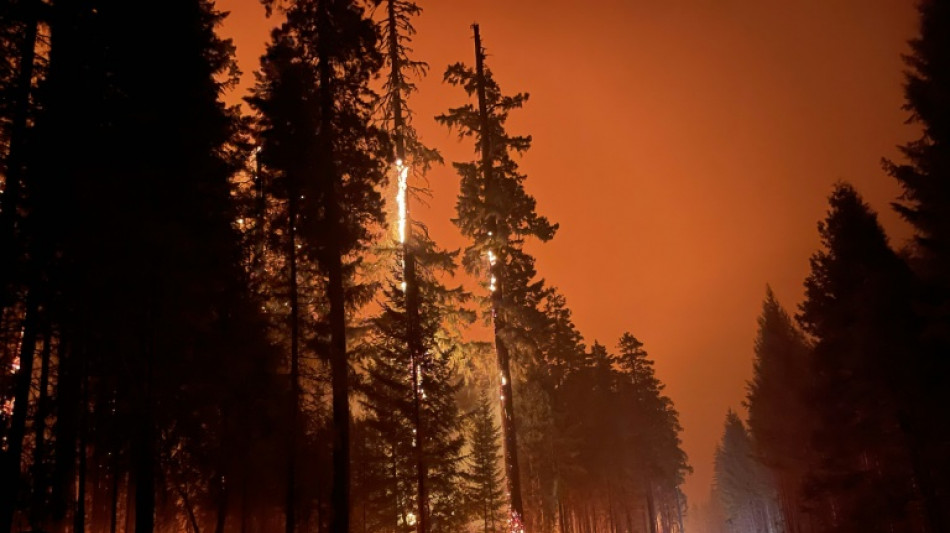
[
  {"x": 847, "y": 426},
  {"x": 235, "y": 323}
]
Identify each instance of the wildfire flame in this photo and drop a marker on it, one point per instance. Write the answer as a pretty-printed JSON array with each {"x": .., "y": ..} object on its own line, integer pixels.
[{"x": 402, "y": 173}]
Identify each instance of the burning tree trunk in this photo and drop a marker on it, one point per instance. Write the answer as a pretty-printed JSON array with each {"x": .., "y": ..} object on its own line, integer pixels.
[{"x": 497, "y": 274}]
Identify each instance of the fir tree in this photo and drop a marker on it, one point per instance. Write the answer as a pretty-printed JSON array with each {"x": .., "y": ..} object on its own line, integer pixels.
[
  {"x": 780, "y": 415},
  {"x": 651, "y": 426},
  {"x": 858, "y": 310},
  {"x": 326, "y": 147},
  {"x": 417, "y": 308},
  {"x": 144, "y": 298},
  {"x": 742, "y": 483},
  {"x": 496, "y": 213},
  {"x": 390, "y": 402},
  {"x": 485, "y": 494},
  {"x": 925, "y": 177}
]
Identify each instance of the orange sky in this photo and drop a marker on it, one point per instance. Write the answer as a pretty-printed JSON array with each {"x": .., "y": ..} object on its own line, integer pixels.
[{"x": 685, "y": 146}]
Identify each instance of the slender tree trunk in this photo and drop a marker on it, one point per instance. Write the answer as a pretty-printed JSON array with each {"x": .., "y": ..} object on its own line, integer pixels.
[
  {"x": 129, "y": 503},
  {"x": 244, "y": 505},
  {"x": 10, "y": 463},
  {"x": 339, "y": 366},
  {"x": 222, "y": 505},
  {"x": 651, "y": 508},
  {"x": 189, "y": 510},
  {"x": 67, "y": 400},
  {"x": 497, "y": 272},
  {"x": 290, "y": 522},
  {"x": 261, "y": 217},
  {"x": 562, "y": 519},
  {"x": 679, "y": 510},
  {"x": 79, "y": 515},
  {"x": 145, "y": 466},
  {"x": 114, "y": 496},
  {"x": 38, "y": 508}
]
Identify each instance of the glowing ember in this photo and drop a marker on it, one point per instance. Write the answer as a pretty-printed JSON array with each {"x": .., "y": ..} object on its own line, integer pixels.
[
  {"x": 514, "y": 523},
  {"x": 7, "y": 408}
]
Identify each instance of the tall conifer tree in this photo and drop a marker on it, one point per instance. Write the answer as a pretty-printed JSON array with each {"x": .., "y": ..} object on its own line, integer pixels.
[
  {"x": 486, "y": 485},
  {"x": 780, "y": 414},
  {"x": 496, "y": 213},
  {"x": 857, "y": 308},
  {"x": 329, "y": 149}
]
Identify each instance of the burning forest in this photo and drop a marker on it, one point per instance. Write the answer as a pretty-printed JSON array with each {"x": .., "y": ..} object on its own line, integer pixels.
[{"x": 316, "y": 293}]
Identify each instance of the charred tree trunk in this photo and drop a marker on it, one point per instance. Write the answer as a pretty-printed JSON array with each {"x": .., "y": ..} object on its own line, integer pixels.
[{"x": 497, "y": 298}]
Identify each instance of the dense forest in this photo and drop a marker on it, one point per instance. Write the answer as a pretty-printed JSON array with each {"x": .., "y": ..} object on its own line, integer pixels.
[
  {"x": 225, "y": 320},
  {"x": 847, "y": 426},
  {"x": 233, "y": 319}
]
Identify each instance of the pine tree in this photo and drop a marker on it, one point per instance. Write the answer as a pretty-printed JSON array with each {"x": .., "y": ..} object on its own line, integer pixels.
[
  {"x": 143, "y": 296},
  {"x": 327, "y": 149},
  {"x": 418, "y": 305},
  {"x": 545, "y": 448},
  {"x": 496, "y": 213},
  {"x": 858, "y": 310},
  {"x": 485, "y": 494},
  {"x": 925, "y": 177},
  {"x": 390, "y": 401},
  {"x": 780, "y": 415},
  {"x": 742, "y": 483},
  {"x": 651, "y": 426}
]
